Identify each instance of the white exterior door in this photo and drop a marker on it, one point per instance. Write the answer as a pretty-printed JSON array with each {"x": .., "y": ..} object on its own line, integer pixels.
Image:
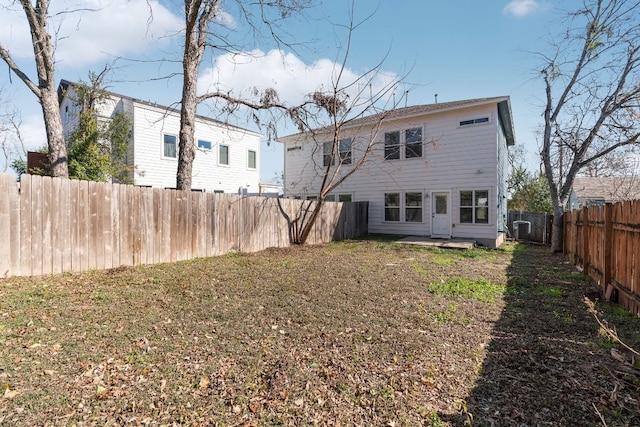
[{"x": 440, "y": 216}]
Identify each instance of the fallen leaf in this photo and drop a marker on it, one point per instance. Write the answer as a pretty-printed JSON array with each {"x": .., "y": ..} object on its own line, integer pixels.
[
  {"x": 204, "y": 382},
  {"x": 163, "y": 385},
  {"x": 253, "y": 408},
  {"x": 10, "y": 394},
  {"x": 299, "y": 402},
  {"x": 100, "y": 391},
  {"x": 49, "y": 372}
]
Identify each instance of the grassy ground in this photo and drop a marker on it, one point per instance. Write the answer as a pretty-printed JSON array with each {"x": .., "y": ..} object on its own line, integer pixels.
[{"x": 352, "y": 333}]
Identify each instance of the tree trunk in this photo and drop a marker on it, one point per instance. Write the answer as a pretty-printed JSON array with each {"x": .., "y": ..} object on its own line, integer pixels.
[
  {"x": 557, "y": 230},
  {"x": 55, "y": 132},
  {"x": 307, "y": 223},
  {"x": 187, "y": 148}
]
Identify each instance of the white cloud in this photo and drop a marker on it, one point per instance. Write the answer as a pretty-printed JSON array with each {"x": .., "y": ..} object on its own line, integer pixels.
[
  {"x": 522, "y": 7},
  {"x": 291, "y": 77},
  {"x": 97, "y": 31}
]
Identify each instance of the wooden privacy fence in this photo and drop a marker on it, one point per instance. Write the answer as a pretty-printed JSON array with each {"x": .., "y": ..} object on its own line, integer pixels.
[
  {"x": 55, "y": 225},
  {"x": 605, "y": 242}
]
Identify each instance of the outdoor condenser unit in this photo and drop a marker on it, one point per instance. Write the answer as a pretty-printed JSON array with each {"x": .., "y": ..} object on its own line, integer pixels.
[{"x": 522, "y": 229}]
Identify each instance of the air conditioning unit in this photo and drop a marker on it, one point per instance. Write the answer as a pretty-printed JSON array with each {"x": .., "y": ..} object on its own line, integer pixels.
[{"x": 521, "y": 230}]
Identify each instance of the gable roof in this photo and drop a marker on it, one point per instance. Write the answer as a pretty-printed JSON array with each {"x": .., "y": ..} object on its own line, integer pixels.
[
  {"x": 504, "y": 112},
  {"x": 609, "y": 189},
  {"x": 64, "y": 85}
]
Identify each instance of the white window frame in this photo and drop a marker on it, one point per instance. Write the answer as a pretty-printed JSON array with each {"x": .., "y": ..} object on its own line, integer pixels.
[
  {"x": 337, "y": 196},
  {"x": 476, "y": 121},
  {"x": 204, "y": 141},
  {"x": 228, "y": 163},
  {"x": 175, "y": 145},
  {"x": 475, "y": 207},
  {"x": 403, "y": 207},
  {"x": 345, "y": 157},
  {"x": 403, "y": 150},
  {"x": 255, "y": 159}
]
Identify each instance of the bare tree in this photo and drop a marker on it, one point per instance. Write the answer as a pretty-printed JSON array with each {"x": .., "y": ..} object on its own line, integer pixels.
[
  {"x": 592, "y": 92},
  {"x": 12, "y": 144},
  {"x": 333, "y": 116},
  {"x": 45, "y": 89},
  {"x": 201, "y": 16}
]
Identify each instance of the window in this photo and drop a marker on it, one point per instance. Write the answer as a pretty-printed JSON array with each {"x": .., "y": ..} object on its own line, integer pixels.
[
  {"x": 474, "y": 121},
  {"x": 170, "y": 146},
  {"x": 223, "y": 154},
  {"x": 345, "y": 151},
  {"x": 474, "y": 207},
  {"x": 341, "y": 198},
  {"x": 66, "y": 113},
  {"x": 392, "y": 206},
  {"x": 392, "y": 145},
  {"x": 327, "y": 149},
  {"x": 410, "y": 140},
  {"x": 205, "y": 145},
  {"x": 251, "y": 159},
  {"x": 413, "y": 143},
  {"x": 413, "y": 207}
]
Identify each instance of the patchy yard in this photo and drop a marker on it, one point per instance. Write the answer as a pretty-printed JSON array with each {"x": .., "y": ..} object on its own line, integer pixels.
[{"x": 351, "y": 333}]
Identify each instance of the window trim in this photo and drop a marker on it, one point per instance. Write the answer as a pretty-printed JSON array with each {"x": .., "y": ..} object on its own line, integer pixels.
[
  {"x": 397, "y": 207},
  {"x": 209, "y": 148},
  {"x": 392, "y": 145},
  {"x": 220, "y": 146},
  {"x": 403, "y": 207},
  {"x": 408, "y": 207},
  {"x": 475, "y": 121},
  {"x": 335, "y": 197},
  {"x": 255, "y": 159},
  {"x": 345, "y": 157},
  {"x": 475, "y": 207},
  {"x": 164, "y": 146},
  {"x": 413, "y": 145},
  {"x": 403, "y": 150}
]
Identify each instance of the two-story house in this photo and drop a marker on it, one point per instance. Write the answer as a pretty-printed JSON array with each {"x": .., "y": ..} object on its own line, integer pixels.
[
  {"x": 227, "y": 157},
  {"x": 436, "y": 170}
]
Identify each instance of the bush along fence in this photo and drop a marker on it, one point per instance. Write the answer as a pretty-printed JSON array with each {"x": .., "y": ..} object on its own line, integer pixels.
[
  {"x": 55, "y": 225},
  {"x": 605, "y": 242}
]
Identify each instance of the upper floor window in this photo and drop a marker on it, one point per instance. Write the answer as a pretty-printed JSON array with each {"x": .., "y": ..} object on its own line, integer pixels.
[
  {"x": 474, "y": 206},
  {"x": 474, "y": 121},
  {"x": 251, "y": 159},
  {"x": 407, "y": 144},
  {"x": 170, "y": 149},
  {"x": 392, "y": 145},
  {"x": 344, "y": 152},
  {"x": 223, "y": 154},
  {"x": 205, "y": 145},
  {"x": 413, "y": 142}
]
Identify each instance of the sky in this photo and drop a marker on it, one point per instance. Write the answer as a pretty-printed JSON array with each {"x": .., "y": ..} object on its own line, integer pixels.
[{"x": 461, "y": 49}]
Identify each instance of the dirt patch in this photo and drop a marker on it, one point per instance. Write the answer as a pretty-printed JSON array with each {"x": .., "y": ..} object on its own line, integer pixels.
[{"x": 352, "y": 333}]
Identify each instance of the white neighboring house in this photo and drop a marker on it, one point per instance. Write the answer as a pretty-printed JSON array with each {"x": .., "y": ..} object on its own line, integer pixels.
[
  {"x": 227, "y": 157},
  {"x": 435, "y": 170}
]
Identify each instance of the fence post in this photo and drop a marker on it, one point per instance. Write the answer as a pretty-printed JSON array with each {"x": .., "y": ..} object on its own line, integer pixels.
[
  {"x": 585, "y": 241},
  {"x": 607, "y": 288}
]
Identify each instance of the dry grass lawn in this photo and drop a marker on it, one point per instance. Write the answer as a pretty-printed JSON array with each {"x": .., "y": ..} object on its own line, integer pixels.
[{"x": 352, "y": 333}]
